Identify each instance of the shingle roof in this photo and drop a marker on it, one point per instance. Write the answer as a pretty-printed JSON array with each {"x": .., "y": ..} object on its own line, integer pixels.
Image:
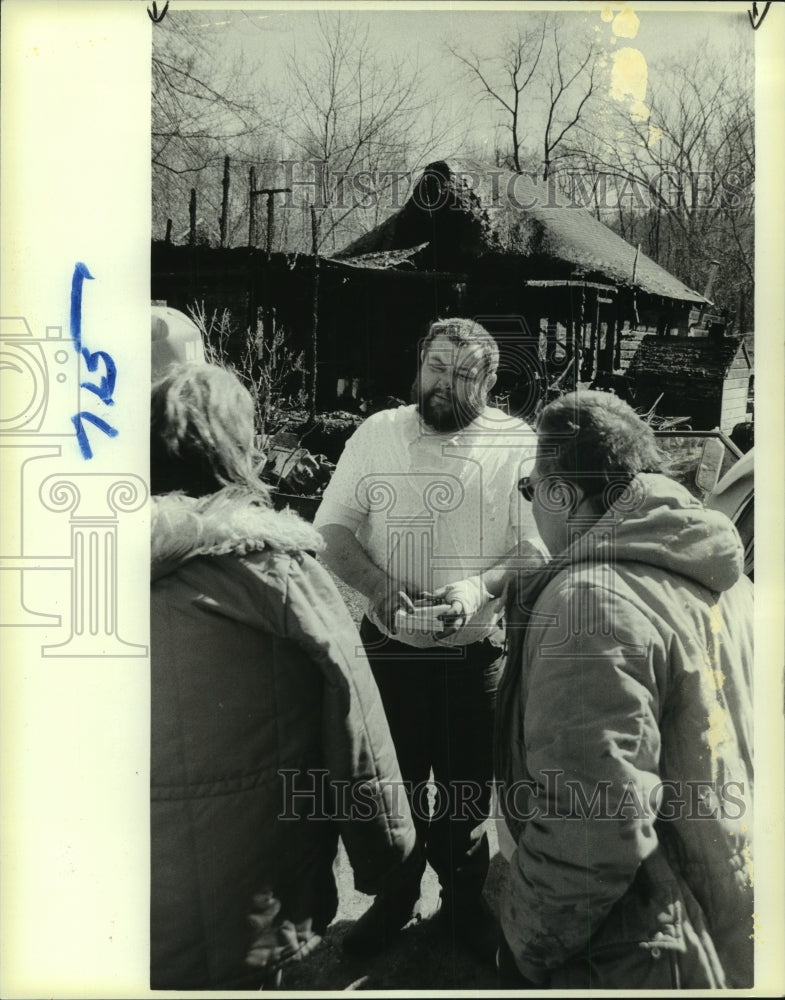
[
  {"x": 476, "y": 210},
  {"x": 698, "y": 357}
]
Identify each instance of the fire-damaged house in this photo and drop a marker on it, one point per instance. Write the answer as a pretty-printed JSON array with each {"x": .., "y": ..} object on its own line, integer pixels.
[{"x": 561, "y": 292}]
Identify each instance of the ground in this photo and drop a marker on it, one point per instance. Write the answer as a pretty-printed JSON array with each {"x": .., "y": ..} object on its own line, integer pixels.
[{"x": 423, "y": 958}]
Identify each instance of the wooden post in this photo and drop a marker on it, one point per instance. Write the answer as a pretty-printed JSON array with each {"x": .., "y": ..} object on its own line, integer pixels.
[
  {"x": 168, "y": 237},
  {"x": 270, "y": 192},
  {"x": 252, "y": 207},
  {"x": 741, "y": 312},
  {"x": 617, "y": 345},
  {"x": 192, "y": 213},
  {"x": 581, "y": 338},
  {"x": 594, "y": 340},
  {"x": 550, "y": 346},
  {"x": 270, "y": 222},
  {"x": 269, "y": 313},
  {"x": 315, "y": 313},
  {"x": 270, "y": 211},
  {"x": 605, "y": 352},
  {"x": 225, "y": 202}
]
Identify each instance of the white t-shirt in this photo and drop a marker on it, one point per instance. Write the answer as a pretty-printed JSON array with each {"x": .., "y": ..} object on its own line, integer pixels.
[{"x": 431, "y": 508}]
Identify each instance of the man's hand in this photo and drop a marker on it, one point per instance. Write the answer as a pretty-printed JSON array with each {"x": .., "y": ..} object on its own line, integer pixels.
[
  {"x": 465, "y": 597},
  {"x": 386, "y": 600}
]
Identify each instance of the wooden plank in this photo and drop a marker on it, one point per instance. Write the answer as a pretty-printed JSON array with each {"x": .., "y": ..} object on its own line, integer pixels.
[
  {"x": 731, "y": 417},
  {"x": 734, "y": 395}
]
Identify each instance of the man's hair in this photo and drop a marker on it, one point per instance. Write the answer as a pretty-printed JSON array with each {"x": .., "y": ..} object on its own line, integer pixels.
[
  {"x": 201, "y": 432},
  {"x": 597, "y": 439},
  {"x": 466, "y": 333}
]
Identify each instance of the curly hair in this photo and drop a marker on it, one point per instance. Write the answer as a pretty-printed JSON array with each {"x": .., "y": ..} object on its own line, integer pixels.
[
  {"x": 465, "y": 333},
  {"x": 202, "y": 432},
  {"x": 594, "y": 439}
]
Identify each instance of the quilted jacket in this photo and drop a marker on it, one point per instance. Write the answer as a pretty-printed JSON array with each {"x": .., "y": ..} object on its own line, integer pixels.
[
  {"x": 263, "y": 704},
  {"x": 624, "y": 748}
]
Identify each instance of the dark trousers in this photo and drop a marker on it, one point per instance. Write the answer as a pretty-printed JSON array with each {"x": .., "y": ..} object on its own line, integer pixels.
[{"x": 439, "y": 705}]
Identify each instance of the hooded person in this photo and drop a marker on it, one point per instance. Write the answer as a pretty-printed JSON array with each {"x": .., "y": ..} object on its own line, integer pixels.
[
  {"x": 624, "y": 722},
  {"x": 262, "y": 709}
]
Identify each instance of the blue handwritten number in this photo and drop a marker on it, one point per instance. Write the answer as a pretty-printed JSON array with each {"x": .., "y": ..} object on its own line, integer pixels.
[
  {"x": 80, "y": 273},
  {"x": 104, "y": 389},
  {"x": 81, "y": 436}
]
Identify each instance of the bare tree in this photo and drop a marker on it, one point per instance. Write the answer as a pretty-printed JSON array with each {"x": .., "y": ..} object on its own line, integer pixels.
[
  {"x": 205, "y": 105},
  {"x": 681, "y": 178},
  {"x": 350, "y": 120},
  {"x": 517, "y": 65},
  {"x": 541, "y": 82},
  {"x": 362, "y": 121},
  {"x": 572, "y": 82}
]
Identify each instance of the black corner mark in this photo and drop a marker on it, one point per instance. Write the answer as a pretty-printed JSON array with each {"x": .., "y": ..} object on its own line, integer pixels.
[
  {"x": 755, "y": 20},
  {"x": 155, "y": 17}
]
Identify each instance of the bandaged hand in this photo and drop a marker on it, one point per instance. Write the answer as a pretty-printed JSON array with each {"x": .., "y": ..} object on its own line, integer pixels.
[{"x": 466, "y": 598}]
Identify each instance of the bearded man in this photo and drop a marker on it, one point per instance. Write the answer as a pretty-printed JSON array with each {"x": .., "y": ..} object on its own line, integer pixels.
[{"x": 424, "y": 495}]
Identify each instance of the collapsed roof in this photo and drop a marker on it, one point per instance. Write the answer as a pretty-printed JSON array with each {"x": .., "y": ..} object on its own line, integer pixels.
[{"x": 465, "y": 212}]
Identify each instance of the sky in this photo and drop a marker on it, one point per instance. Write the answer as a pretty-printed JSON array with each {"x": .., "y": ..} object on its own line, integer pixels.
[
  {"x": 425, "y": 31},
  {"x": 636, "y": 38}
]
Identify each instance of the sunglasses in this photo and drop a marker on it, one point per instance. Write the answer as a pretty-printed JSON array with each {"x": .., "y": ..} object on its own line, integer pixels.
[
  {"x": 554, "y": 499},
  {"x": 526, "y": 488}
]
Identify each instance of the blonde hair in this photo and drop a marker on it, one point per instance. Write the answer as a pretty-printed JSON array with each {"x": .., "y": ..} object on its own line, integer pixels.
[{"x": 202, "y": 432}]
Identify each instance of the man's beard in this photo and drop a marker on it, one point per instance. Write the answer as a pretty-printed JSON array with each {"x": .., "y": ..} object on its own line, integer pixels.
[{"x": 445, "y": 414}]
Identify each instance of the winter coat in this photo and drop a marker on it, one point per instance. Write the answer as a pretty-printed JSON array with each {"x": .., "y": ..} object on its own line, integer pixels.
[
  {"x": 262, "y": 704},
  {"x": 629, "y": 680}
]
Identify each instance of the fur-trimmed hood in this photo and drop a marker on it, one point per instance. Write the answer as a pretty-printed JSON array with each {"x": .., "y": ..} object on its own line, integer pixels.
[{"x": 230, "y": 521}]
